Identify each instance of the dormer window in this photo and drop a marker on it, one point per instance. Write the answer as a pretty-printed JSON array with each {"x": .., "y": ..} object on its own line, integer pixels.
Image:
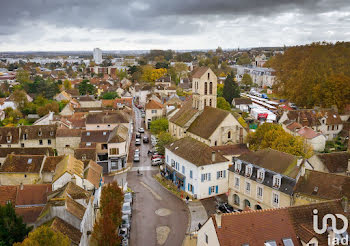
[
  {"x": 83, "y": 157},
  {"x": 40, "y": 133},
  {"x": 276, "y": 181},
  {"x": 88, "y": 134},
  {"x": 30, "y": 160},
  {"x": 238, "y": 166},
  {"x": 88, "y": 144},
  {"x": 25, "y": 136},
  {"x": 248, "y": 170},
  {"x": 104, "y": 133},
  {"x": 51, "y": 133},
  {"x": 9, "y": 139},
  {"x": 261, "y": 175}
]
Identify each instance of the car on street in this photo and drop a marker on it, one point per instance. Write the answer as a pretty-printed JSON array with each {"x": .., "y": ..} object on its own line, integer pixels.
[
  {"x": 157, "y": 156},
  {"x": 125, "y": 242},
  {"x": 145, "y": 139},
  {"x": 143, "y": 115},
  {"x": 124, "y": 232},
  {"x": 141, "y": 130},
  {"x": 226, "y": 208},
  {"x": 136, "y": 158},
  {"x": 137, "y": 151},
  {"x": 138, "y": 135},
  {"x": 128, "y": 197},
  {"x": 125, "y": 221},
  {"x": 126, "y": 209},
  {"x": 157, "y": 162},
  {"x": 138, "y": 141}
]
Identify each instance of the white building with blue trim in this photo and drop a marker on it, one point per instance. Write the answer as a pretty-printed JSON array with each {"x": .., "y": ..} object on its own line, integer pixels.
[{"x": 196, "y": 168}]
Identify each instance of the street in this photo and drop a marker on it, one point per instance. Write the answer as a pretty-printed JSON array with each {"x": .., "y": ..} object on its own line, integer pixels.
[{"x": 159, "y": 218}]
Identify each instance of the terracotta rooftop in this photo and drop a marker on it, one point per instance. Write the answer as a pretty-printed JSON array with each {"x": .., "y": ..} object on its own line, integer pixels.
[
  {"x": 26, "y": 151},
  {"x": 29, "y": 214},
  {"x": 66, "y": 132},
  {"x": 325, "y": 186},
  {"x": 51, "y": 163},
  {"x": 72, "y": 190},
  {"x": 152, "y": 104},
  {"x": 195, "y": 152},
  {"x": 207, "y": 122},
  {"x": 118, "y": 135},
  {"x": 336, "y": 162},
  {"x": 35, "y": 194},
  {"x": 9, "y": 135},
  {"x": 232, "y": 149},
  {"x": 105, "y": 118},
  {"x": 93, "y": 173},
  {"x": 312, "y": 117},
  {"x": 38, "y": 131},
  {"x": 294, "y": 126},
  {"x": 67, "y": 229},
  {"x": 199, "y": 72},
  {"x": 185, "y": 114},
  {"x": 22, "y": 163},
  {"x": 75, "y": 208},
  {"x": 8, "y": 193}
]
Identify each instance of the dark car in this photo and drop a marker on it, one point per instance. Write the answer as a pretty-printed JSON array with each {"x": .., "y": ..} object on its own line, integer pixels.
[
  {"x": 138, "y": 135},
  {"x": 145, "y": 139},
  {"x": 225, "y": 208}
]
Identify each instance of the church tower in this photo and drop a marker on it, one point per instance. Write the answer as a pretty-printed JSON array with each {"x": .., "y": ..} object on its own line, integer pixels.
[{"x": 204, "y": 88}]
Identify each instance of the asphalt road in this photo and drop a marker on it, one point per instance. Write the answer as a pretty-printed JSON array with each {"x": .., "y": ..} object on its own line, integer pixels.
[{"x": 159, "y": 218}]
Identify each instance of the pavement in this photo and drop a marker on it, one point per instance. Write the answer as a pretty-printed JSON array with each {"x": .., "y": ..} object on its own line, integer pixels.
[
  {"x": 158, "y": 217},
  {"x": 198, "y": 215}
]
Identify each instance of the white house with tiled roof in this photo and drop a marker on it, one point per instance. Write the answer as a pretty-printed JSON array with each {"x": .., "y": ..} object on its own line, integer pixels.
[{"x": 196, "y": 168}]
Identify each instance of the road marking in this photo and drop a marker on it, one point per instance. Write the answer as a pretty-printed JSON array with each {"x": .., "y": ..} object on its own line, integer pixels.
[
  {"x": 144, "y": 168},
  {"x": 152, "y": 191}
]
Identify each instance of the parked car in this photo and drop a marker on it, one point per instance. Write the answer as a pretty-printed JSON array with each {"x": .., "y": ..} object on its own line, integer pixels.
[
  {"x": 145, "y": 139},
  {"x": 139, "y": 107},
  {"x": 138, "y": 141},
  {"x": 157, "y": 162},
  {"x": 137, "y": 151},
  {"x": 125, "y": 242},
  {"x": 126, "y": 209},
  {"x": 157, "y": 156},
  {"x": 128, "y": 197},
  {"x": 226, "y": 208},
  {"x": 124, "y": 232},
  {"x": 136, "y": 157},
  {"x": 143, "y": 115},
  {"x": 138, "y": 135},
  {"x": 141, "y": 130},
  {"x": 126, "y": 221}
]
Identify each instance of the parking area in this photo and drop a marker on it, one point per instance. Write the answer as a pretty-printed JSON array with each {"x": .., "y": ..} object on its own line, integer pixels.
[{"x": 211, "y": 203}]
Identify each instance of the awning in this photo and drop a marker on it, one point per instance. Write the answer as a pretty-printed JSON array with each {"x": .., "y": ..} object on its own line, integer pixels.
[{"x": 179, "y": 175}]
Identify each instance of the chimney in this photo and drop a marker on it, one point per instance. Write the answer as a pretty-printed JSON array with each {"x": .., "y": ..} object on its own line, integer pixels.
[
  {"x": 213, "y": 156},
  {"x": 73, "y": 180},
  {"x": 218, "y": 219},
  {"x": 345, "y": 203},
  {"x": 21, "y": 186}
]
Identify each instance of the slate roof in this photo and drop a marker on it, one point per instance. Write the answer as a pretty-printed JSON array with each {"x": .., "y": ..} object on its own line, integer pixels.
[
  {"x": 255, "y": 227},
  {"x": 207, "y": 122},
  {"x": 185, "y": 114},
  {"x": 336, "y": 162},
  {"x": 22, "y": 163},
  {"x": 195, "y": 152},
  {"x": 67, "y": 229},
  {"x": 322, "y": 185}
]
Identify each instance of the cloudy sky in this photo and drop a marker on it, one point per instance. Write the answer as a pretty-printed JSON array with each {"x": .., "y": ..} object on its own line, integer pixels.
[{"x": 45, "y": 25}]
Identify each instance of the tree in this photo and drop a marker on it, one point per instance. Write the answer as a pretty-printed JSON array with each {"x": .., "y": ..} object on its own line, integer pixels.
[
  {"x": 20, "y": 98},
  {"x": 23, "y": 76},
  {"x": 317, "y": 74},
  {"x": 44, "y": 235},
  {"x": 223, "y": 104},
  {"x": 12, "y": 228},
  {"x": 159, "y": 125},
  {"x": 150, "y": 74},
  {"x": 164, "y": 138},
  {"x": 220, "y": 90},
  {"x": 180, "y": 69},
  {"x": 85, "y": 88},
  {"x": 218, "y": 49},
  {"x": 67, "y": 84},
  {"x": 247, "y": 80},
  {"x": 231, "y": 89},
  {"x": 110, "y": 95},
  {"x": 269, "y": 135},
  {"x": 244, "y": 59},
  {"x": 50, "y": 107}
]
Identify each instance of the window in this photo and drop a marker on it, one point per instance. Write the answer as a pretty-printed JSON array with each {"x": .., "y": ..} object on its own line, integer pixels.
[
  {"x": 114, "y": 151},
  {"x": 208, "y": 75},
  {"x": 98, "y": 126},
  {"x": 237, "y": 182},
  {"x": 205, "y": 88},
  {"x": 183, "y": 169},
  {"x": 206, "y": 236},
  {"x": 104, "y": 133},
  {"x": 210, "y": 102},
  {"x": 275, "y": 199},
  {"x": 167, "y": 159},
  {"x": 190, "y": 187},
  {"x": 40, "y": 142},
  {"x": 270, "y": 243},
  {"x": 211, "y": 88},
  {"x": 238, "y": 166},
  {"x": 248, "y": 170},
  {"x": 221, "y": 174},
  {"x": 236, "y": 200},
  {"x": 191, "y": 174},
  {"x": 22, "y": 145},
  {"x": 109, "y": 125},
  {"x": 40, "y": 133},
  {"x": 261, "y": 175},
  {"x": 205, "y": 102},
  {"x": 206, "y": 177},
  {"x": 276, "y": 181},
  {"x": 289, "y": 242},
  {"x": 213, "y": 189},
  {"x": 83, "y": 157},
  {"x": 25, "y": 136},
  {"x": 9, "y": 139},
  {"x": 87, "y": 133},
  {"x": 88, "y": 144},
  {"x": 247, "y": 187},
  {"x": 259, "y": 192},
  {"x": 229, "y": 135},
  {"x": 30, "y": 160},
  {"x": 216, "y": 143},
  {"x": 51, "y": 133},
  {"x": 49, "y": 141},
  {"x": 154, "y": 111}
]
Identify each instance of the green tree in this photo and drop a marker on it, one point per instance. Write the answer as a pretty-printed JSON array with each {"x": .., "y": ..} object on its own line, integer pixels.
[
  {"x": 223, "y": 104},
  {"x": 85, "y": 88},
  {"x": 159, "y": 125},
  {"x": 244, "y": 59},
  {"x": 23, "y": 76},
  {"x": 110, "y": 95},
  {"x": 67, "y": 84},
  {"x": 12, "y": 228},
  {"x": 44, "y": 235},
  {"x": 164, "y": 138},
  {"x": 247, "y": 80},
  {"x": 269, "y": 135},
  {"x": 50, "y": 107},
  {"x": 220, "y": 90},
  {"x": 231, "y": 89}
]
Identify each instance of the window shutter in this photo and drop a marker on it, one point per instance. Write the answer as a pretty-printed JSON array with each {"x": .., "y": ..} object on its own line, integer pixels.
[
  {"x": 217, "y": 175},
  {"x": 209, "y": 190},
  {"x": 188, "y": 187},
  {"x": 202, "y": 177},
  {"x": 209, "y": 178},
  {"x": 224, "y": 173},
  {"x": 217, "y": 189}
]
